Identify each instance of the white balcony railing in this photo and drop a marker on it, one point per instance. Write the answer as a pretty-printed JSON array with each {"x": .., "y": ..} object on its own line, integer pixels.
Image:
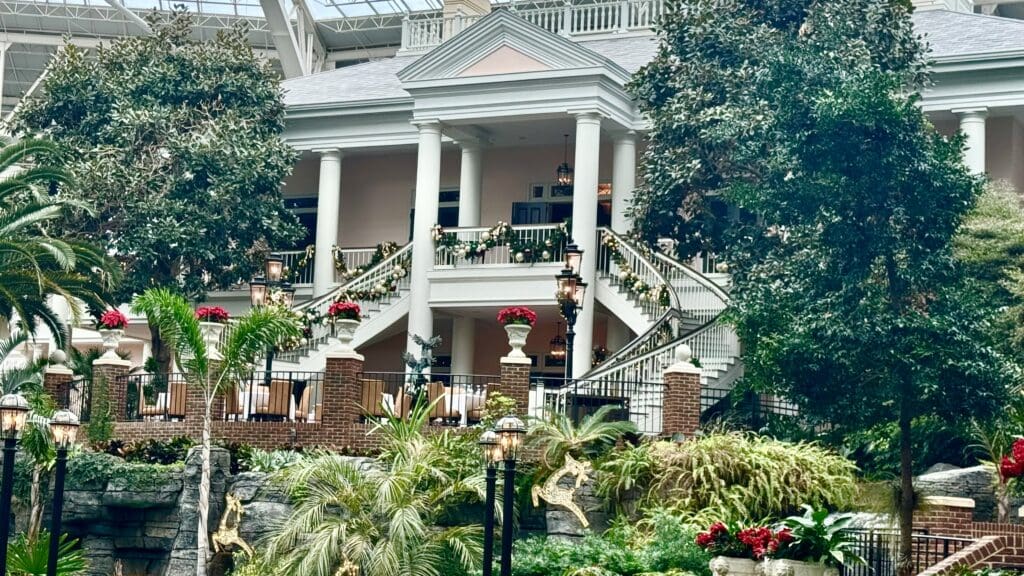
[
  {"x": 353, "y": 258},
  {"x": 425, "y": 31},
  {"x": 538, "y": 235}
]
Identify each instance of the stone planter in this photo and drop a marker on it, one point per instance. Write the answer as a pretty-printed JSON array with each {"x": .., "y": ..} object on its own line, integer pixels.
[
  {"x": 212, "y": 332},
  {"x": 345, "y": 331},
  {"x": 517, "y": 334},
  {"x": 729, "y": 566},
  {"x": 111, "y": 339},
  {"x": 795, "y": 568}
]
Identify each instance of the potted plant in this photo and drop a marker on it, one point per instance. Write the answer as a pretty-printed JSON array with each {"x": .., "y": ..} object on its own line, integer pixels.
[
  {"x": 733, "y": 556},
  {"x": 212, "y": 320},
  {"x": 111, "y": 327},
  {"x": 817, "y": 543},
  {"x": 518, "y": 321},
  {"x": 345, "y": 316}
]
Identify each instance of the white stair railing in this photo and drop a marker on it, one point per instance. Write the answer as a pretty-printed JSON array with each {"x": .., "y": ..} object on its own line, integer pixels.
[{"x": 632, "y": 270}]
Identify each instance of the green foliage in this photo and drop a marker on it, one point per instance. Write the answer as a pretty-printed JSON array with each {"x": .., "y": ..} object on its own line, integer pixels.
[
  {"x": 626, "y": 470},
  {"x": 29, "y": 557},
  {"x": 93, "y": 470},
  {"x": 176, "y": 142},
  {"x": 154, "y": 451},
  {"x": 822, "y": 538},
  {"x": 387, "y": 523},
  {"x": 624, "y": 551},
  {"x": 100, "y": 428},
  {"x": 496, "y": 407},
  {"x": 876, "y": 449},
  {"x": 256, "y": 460},
  {"x": 557, "y": 435},
  {"x": 731, "y": 476},
  {"x": 36, "y": 262}
]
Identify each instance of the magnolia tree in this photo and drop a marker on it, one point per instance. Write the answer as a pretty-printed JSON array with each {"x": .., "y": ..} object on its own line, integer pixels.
[
  {"x": 846, "y": 295},
  {"x": 176, "y": 145},
  {"x": 216, "y": 372}
]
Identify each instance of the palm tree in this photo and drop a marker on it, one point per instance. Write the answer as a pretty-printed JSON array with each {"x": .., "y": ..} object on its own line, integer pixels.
[
  {"x": 34, "y": 264},
  {"x": 251, "y": 336},
  {"x": 346, "y": 521},
  {"x": 557, "y": 435}
]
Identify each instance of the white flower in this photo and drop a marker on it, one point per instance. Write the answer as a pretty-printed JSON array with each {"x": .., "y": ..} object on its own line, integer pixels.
[
  {"x": 545, "y": 254},
  {"x": 520, "y": 257},
  {"x": 721, "y": 267},
  {"x": 484, "y": 237}
]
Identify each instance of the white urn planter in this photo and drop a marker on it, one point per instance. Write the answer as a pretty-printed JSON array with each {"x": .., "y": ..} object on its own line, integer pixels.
[
  {"x": 212, "y": 332},
  {"x": 796, "y": 568},
  {"x": 345, "y": 331},
  {"x": 517, "y": 334},
  {"x": 729, "y": 566},
  {"x": 111, "y": 339}
]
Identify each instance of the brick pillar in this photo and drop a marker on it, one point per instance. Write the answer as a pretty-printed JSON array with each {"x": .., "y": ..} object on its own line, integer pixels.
[
  {"x": 342, "y": 394},
  {"x": 515, "y": 382},
  {"x": 109, "y": 372},
  {"x": 681, "y": 401},
  {"x": 57, "y": 383},
  {"x": 945, "y": 516}
]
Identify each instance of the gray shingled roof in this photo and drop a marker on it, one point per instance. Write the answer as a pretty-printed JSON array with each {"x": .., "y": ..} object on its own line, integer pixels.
[
  {"x": 948, "y": 33},
  {"x": 960, "y": 34}
]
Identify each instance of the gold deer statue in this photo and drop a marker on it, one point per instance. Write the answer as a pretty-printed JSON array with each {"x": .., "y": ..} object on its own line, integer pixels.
[
  {"x": 565, "y": 497},
  {"x": 227, "y": 533}
]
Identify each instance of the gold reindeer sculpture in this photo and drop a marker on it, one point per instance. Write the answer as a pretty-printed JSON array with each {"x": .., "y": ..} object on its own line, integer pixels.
[
  {"x": 227, "y": 532},
  {"x": 565, "y": 497}
]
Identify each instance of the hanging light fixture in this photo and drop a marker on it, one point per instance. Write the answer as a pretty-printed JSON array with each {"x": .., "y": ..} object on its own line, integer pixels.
[
  {"x": 557, "y": 343},
  {"x": 564, "y": 172}
]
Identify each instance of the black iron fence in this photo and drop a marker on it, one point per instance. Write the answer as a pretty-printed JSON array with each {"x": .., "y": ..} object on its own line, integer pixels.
[
  {"x": 277, "y": 396},
  {"x": 745, "y": 408},
  {"x": 636, "y": 401},
  {"x": 77, "y": 397},
  {"x": 155, "y": 396},
  {"x": 457, "y": 399},
  {"x": 879, "y": 548}
]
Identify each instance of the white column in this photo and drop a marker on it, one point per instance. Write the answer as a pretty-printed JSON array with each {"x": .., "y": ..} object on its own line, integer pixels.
[
  {"x": 584, "y": 230},
  {"x": 623, "y": 180},
  {"x": 463, "y": 344},
  {"x": 428, "y": 186},
  {"x": 972, "y": 124},
  {"x": 470, "y": 184},
  {"x": 328, "y": 204}
]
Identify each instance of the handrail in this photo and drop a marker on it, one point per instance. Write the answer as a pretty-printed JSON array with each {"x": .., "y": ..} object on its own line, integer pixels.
[
  {"x": 604, "y": 260},
  {"x": 670, "y": 315},
  {"x": 701, "y": 342},
  {"x": 354, "y": 283}
]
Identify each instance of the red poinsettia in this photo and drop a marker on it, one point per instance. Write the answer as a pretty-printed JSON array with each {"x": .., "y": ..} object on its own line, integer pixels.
[
  {"x": 113, "y": 320},
  {"x": 1012, "y": 465},
  {"x": 212, "y": 314},
  {"x": 344, "y": 311},
  {"x": 517, "y": 315}
]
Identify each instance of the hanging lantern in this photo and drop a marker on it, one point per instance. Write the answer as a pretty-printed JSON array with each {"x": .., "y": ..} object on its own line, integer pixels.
[
  {"x": 557, "y": 343},
  {"x": 564, "y": 172}
]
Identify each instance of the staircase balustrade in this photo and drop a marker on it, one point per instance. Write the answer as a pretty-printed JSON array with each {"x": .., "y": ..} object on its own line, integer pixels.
[
  {"x": 503, "y": 254},
  {"x": 634, "y": 267}
]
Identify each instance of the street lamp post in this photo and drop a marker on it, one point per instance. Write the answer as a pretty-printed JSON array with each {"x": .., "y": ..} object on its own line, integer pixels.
[
  {"x": 510, "y": 431},
  {"x": 260, "y": 291},
  {"x": 492, "y": 455},
  {"x": 13, "y": 413},
  {"x": 571, "y": 290},
  {"x": 64, "y": 429}
]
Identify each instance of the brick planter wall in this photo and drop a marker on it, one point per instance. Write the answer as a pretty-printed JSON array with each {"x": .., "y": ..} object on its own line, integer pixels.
[{"x": 996, "y": 545}]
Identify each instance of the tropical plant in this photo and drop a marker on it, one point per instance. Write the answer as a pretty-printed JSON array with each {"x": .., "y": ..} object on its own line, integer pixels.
[
  {"x": 252, "y": 334},
  {"x": 556, "y": 435},
  {"x": 382, "y": 524},
  {"x": 742, "y": 477},
  {"x": 28, "y": 556},
  {"x": 625, "y": 470},
  {"x": 34, "y": 263},
  {"x": 257, "y": 460},
  {"x": 820, "y": 537}
]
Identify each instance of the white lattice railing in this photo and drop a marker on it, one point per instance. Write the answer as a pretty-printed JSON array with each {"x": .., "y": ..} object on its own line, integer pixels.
[
  {"x": 635, "y": 268},
  {"x": 425, "y": 31},
  {"x": 532, "y": 234}
]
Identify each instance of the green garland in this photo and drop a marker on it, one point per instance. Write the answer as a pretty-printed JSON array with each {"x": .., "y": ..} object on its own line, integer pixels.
[
  {"x": 502, "y": 234},
  {"x": 383, "y": 288},
  {"x": 383, "y": 251},
  {"x": 630, "y": 280}
]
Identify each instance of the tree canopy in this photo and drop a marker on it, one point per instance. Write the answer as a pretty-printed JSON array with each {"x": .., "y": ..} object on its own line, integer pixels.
[
  {"x": 177, "y": 145},
  {"x": 846, "y": 294}
]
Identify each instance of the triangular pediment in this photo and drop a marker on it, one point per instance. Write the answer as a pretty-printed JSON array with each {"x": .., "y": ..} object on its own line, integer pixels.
[{"x": 500, "y": 44}]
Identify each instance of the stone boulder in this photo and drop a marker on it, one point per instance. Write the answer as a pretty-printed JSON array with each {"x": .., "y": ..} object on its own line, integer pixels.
[{"x": 976, "y": 482}]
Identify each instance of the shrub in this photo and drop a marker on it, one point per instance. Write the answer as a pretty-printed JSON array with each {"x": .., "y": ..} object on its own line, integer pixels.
[
  {"x": 29, "y": 557},
  {"x": 732, "y": 476},
  {"x": 256, "y": 460},
  {"x": 154, "y": 451}
]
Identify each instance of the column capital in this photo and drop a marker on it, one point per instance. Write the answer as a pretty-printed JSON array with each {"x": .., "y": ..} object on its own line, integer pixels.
[
  {"x": 587, "y": 115},
  {"x": 330, "y": 153},
  {"x": 977, "y": 112},
  {"x": 427, "y": 125},
  {"x": 624, "y": 136}
]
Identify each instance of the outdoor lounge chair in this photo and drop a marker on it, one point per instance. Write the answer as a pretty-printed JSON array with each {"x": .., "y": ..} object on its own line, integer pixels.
[
  {"x": 305, "y": 412},
  {"x": 272, "y": 402},
  {"x": 443, "y": 410}
]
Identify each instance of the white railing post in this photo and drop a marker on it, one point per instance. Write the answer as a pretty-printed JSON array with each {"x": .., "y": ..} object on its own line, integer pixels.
[
  {"x": 623, "y": 15},
  {"x": 405, "y": 32},
  {"x": 567, "y": 25}
]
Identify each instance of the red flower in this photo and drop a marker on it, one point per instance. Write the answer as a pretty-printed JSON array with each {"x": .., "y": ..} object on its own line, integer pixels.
[
  {"x": 1018, "y": 450},
  {"x": 113, "y": 320},
  {"x": 704, "y": 539},
  {"x": 1010, "y": 469},
  {"x": 212, "y": 314},
  {"x": 517, "y": 315},
  {"x": 344, "y": 311},
  {"x": 718, "y": 528},
  {"x": 785, "y": 536}
]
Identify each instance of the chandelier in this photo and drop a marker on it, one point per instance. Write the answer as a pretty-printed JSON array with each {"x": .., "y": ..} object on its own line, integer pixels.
[
  {"x": 557, "y": 343},
  {"x": 564, "y": 172}
]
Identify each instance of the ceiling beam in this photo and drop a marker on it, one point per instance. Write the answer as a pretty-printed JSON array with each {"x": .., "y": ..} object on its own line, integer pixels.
[
  {"x": 131, "y": 16},
  {"x": 288, "y": 50}
]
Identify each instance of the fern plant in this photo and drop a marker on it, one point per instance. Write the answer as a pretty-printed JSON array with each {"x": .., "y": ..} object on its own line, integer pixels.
[{"x": 28, "y": 556}]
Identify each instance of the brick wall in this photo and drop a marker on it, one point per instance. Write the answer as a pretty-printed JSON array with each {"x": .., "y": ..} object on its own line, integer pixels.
[
  {"x": 57, "y": 383},
  {"x": 996, "y": 545},
  {"x": 515, "y": 382},
  {"x": 681, "y": 399},
  {"x": 110, "y": 372}
]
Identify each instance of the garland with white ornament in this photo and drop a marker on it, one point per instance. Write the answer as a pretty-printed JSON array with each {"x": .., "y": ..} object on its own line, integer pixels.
[
  {"x": 521, "y": 251},
  {"x": 632, "y": 281},
  {"x": 387, "y": 285}
]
